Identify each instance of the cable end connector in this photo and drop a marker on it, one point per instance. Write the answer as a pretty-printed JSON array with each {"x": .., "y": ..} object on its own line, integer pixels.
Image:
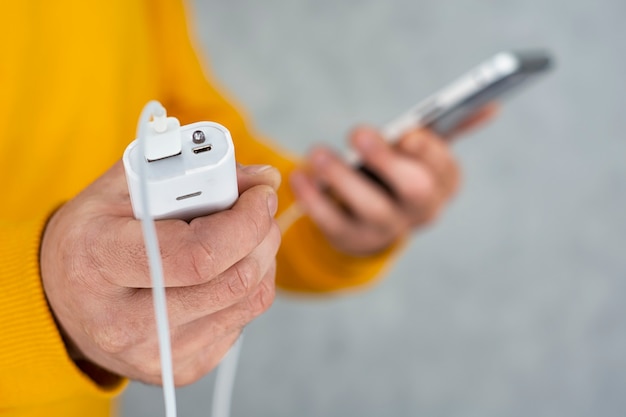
[
  {"x": 162, "y": 138},
  {"x": 159, "y": 119}
]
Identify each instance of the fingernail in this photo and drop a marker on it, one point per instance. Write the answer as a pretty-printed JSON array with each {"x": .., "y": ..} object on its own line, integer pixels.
[
  {"x": 255, "y": 169},
  {"x": 272, "y": 203}
]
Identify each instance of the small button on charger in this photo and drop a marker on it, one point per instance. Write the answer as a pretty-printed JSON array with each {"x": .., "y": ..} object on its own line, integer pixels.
[{"x": 198, "y": 137}]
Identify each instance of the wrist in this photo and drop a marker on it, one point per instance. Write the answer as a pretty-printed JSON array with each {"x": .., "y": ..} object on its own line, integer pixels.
[
  {"x": 103, "y": 378},
  {"x": 100, "y": 376}
]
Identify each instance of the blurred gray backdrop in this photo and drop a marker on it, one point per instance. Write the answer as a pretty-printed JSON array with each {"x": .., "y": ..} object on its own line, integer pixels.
[{"x": 513, "y": 303}]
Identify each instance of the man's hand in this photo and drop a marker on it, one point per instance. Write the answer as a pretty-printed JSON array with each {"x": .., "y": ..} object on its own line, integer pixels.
[
  {"x": 219, "y": 272},
  {"x": 360, "y": 217}
]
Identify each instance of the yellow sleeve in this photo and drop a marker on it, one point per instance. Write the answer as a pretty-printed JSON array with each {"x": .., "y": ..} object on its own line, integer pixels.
[
  {"x": 37, "y": 377},
  {"x": 306, "y": 262}
]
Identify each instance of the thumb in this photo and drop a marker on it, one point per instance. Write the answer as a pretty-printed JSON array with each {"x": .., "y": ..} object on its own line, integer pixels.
[
  {"x": 249, "y": 176},
  {"x": 477, "y": 119}
]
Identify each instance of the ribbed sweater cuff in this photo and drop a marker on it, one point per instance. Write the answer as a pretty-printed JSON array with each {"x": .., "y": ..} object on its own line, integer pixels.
[
  {"x": 34, "y": 364},
  {"x": 313, "y": 266}
]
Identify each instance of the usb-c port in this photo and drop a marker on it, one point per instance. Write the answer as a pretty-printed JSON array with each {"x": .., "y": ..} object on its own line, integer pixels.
[{"x": 200, "y": 149}]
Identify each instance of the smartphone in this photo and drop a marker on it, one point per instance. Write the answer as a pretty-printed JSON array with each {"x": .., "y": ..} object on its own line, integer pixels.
[{"x": 444, "y": 111}]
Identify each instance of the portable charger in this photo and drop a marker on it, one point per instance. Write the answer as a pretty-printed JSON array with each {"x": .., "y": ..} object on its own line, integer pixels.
[{"x": 190, "y": 170}]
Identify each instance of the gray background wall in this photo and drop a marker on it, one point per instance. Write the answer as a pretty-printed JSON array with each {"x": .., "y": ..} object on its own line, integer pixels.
[{"x": 513, "y": 304}]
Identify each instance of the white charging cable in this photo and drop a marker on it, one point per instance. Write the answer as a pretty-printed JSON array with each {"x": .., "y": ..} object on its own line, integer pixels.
[
  {"x": 225, "y": 378},
  {"x": 156, "y": 110},
  {"x": 225, "y": 381}
]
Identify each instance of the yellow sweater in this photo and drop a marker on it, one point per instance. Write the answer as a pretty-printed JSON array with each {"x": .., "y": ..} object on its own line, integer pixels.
[{"x": 73, "y": 78}]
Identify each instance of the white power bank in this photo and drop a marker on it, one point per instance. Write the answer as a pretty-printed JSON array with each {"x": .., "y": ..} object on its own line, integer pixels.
[{"x": 194, "y": 179}]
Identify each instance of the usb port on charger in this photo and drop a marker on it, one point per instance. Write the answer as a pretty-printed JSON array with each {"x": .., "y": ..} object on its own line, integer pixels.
[{"x": 200, "y": 149}]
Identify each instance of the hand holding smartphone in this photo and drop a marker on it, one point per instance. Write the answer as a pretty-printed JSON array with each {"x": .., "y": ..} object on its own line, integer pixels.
[{"x": 446, "y": 110}]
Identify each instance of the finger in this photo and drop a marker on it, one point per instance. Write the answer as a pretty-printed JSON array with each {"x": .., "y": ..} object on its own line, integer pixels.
[
  {"x": 414, "y": 142},
  {"x": 405, "y": 175},
  {"x": 319, "y": 206},
  {"x": 191, "y": 338},
  {"x": 144, "y": 363},
  {"x": 230, "y": 235},
  {"x": 477, "y": 119},
  {"x": 198, "y": 347},
  {"x": 342, "y": 230},
  {"x": 204, "y": 361},
  {"x": 364, "y": 199},
  {"x": 419, "y": 190},
  {"x": 435, "y": 155},
  {"x": 186, "y": 304},
  {"x": 192, "y": 253}
]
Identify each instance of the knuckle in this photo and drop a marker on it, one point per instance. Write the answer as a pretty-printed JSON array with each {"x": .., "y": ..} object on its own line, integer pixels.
[
  {"x": 258, "y": 222},
  {"x": 255, "y": 215},
  {"x": 263, "y": 299},
  {"x": 112, "y": 339},
  {"x": 120, "y": 335},
  {"x": 245, "y": 274},
  {"x": 202, "y": 260},
  {"x": 149, "y": 365}
]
